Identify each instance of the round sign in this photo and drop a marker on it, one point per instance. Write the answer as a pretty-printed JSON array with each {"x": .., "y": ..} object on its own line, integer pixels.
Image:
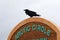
[{"x": 34, "y": 29}]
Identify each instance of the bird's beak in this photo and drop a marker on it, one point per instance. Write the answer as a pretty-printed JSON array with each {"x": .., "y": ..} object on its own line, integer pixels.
[{"x": 24, "y": 10}]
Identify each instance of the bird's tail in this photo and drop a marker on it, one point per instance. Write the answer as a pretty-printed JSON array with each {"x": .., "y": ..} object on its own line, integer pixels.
[{"x": 38, "y": 15}]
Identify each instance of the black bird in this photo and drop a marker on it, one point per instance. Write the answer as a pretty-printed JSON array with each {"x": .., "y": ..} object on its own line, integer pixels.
[{"x": 30, "y": 13}]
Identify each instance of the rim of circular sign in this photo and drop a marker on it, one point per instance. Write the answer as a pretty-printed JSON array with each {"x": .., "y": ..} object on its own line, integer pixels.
[{"x": 42, "y": 20}]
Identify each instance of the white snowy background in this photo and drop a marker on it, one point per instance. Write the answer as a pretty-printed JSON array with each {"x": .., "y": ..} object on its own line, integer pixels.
[{"x": 12, "y": 12}]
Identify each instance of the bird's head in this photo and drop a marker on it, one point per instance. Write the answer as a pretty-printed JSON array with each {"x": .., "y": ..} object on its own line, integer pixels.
[{"x": 26, "y": 10}]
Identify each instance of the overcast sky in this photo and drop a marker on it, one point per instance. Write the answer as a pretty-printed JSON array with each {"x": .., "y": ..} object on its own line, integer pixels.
[{"x": 11, "y": 13}]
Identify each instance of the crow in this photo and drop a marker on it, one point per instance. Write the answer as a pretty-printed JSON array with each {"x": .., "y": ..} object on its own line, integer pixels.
[{"x": 30, "y": 13}]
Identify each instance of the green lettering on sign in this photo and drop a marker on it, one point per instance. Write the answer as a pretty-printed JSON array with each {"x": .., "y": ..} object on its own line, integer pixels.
[
  {"x": 48, "y": 32},
  {"x": 34, "y": 27},
  {"x": 38, "y": 27}
]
